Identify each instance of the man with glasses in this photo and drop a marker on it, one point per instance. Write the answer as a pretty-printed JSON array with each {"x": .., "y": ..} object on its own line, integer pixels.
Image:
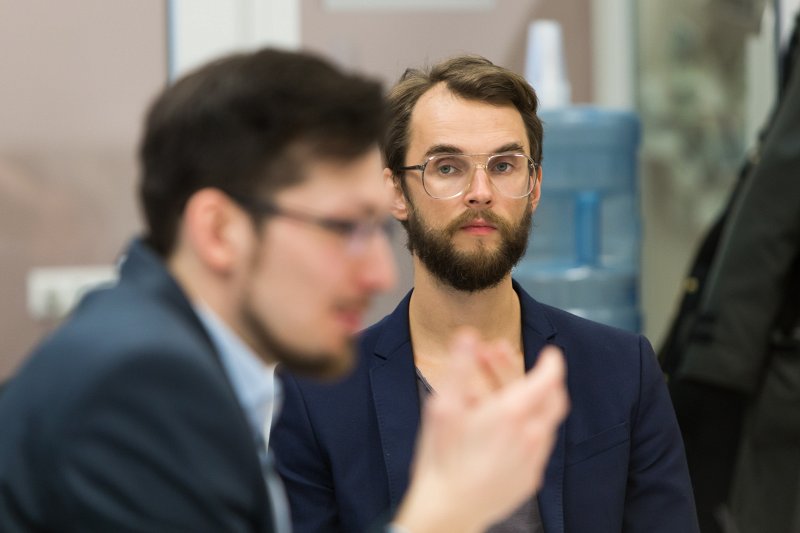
[
  {"x": 462, "y": 156},
  {"x": 265, "y": 215}
]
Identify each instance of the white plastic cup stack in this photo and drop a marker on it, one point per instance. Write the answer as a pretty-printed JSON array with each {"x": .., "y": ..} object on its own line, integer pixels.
[{"x": 544, "y": 64}]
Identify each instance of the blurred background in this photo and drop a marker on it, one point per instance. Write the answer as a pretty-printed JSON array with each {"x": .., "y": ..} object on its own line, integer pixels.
[{"x": 76, "y": 78}]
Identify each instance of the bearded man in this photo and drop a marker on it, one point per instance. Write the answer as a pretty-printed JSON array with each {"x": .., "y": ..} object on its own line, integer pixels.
[{"x": 462, "y": 156}]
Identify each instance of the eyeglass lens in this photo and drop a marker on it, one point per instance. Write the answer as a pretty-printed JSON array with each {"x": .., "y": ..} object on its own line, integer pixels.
[
  {"x": 448, "y": 175},
  {"x": 363, "y": 231}
]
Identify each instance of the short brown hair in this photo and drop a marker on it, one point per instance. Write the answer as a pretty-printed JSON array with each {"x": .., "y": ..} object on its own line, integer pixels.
[
  {"x": 471, "y": 77},
  {"x": 246, "y": 124}
]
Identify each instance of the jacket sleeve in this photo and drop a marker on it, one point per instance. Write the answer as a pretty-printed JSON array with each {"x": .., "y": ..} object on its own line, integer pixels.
[
  {"x": 154, "y": 444},
  {"x": 303, "y": 465},
  {"x": 658, "y": 496},
  {"x": 749, "y": 277}
]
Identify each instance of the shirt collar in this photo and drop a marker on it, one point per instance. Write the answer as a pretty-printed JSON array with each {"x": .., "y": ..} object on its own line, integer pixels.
[{"x": 252, "y": 379}]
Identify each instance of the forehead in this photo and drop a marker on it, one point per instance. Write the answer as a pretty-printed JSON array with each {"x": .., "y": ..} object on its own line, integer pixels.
[
  {"x": 350, "y": 187},
  {"x": 440, "y": 117}
]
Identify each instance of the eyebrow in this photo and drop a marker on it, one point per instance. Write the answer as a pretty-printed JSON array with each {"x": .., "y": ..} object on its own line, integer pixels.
[
  {"x": 443, "y": 149},
  {"x": 510, "y": 147},
  {"x": 437, "y": 149},
  {"x": 367, "y": 209}
]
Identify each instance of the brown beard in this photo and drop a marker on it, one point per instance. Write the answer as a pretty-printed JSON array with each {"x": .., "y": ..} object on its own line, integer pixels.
[
  {"x": 320, "y": 365},
  {"x": 468, "y": 271}
]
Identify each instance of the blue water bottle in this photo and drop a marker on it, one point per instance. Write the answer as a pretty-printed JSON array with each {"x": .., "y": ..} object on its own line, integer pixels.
[{"x": 584, "y": 251}]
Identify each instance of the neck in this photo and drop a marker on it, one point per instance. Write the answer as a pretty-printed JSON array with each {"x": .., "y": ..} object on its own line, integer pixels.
[
  {"x": 436, "y": 310},
  {"x": 204, "y": 288}
]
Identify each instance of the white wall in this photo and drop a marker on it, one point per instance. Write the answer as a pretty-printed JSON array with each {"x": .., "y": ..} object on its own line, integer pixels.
[{"x": 203, "y": 29}]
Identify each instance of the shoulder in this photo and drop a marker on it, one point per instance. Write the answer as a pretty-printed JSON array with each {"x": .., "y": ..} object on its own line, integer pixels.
[
  {"x": 549, "y": 322},
  {"x": 583, "y": 338},
  {"x": 119, "y": 350},
  {"x": 609, "y": 370},
  {"x": 126, "y": 393},
  {"x": 122, "y": 328}
]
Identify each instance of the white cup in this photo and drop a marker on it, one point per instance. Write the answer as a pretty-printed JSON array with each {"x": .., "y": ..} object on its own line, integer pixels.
[{"x": 544, "y": 64}]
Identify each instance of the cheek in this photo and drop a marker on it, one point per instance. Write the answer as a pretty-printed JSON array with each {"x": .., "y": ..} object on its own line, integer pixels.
[
  {"x": 301, "y": 279},
  {"x": 436, "y": 217}
]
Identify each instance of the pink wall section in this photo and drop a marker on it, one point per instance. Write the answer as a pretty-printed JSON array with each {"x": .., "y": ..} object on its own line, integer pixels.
[
  {"x": 74, "y": 79},
  {"x": 384, "y": 42}
]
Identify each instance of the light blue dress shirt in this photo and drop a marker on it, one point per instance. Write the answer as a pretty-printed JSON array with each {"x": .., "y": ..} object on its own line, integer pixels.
[{"x": 255, "y": 386}]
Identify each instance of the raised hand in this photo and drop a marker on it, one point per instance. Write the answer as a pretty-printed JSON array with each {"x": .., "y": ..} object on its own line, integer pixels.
[{"x": 486, "y": 438}]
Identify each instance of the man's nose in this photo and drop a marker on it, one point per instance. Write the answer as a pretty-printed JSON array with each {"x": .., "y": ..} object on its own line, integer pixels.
[{"x": 480, "y": 191}]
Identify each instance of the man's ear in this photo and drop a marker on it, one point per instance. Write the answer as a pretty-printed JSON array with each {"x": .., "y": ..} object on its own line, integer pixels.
[
  {"x": 216, "y": 229},
  {"x": 536, "y": 193},
  {"x": 399, "y": 207}
]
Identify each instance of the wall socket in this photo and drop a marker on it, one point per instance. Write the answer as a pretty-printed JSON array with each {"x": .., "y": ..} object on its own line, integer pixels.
[{"x": 54, "y": 291}]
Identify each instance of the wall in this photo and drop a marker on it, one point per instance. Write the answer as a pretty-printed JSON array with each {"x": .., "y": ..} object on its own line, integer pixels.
[{"x": 75, "y": 78}]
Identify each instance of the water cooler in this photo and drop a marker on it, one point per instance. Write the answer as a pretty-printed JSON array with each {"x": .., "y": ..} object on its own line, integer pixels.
[{"x": 583, "y": 254}]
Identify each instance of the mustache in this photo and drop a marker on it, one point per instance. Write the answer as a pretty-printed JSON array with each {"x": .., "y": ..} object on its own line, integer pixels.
[{"x": 471, "y": 215}]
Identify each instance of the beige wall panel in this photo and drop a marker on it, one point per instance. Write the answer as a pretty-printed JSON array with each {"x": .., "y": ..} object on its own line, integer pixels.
[{"x": 76, "y": 77}]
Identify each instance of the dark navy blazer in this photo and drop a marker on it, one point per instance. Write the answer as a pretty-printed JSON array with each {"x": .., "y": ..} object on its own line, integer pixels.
[
  {"x": 344, "y": 449},
  {"x": 124, "y": 420}
]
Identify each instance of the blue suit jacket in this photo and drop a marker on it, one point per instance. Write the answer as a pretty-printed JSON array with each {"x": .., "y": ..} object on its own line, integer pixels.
[
  {"x": 344, "y": 449},
  {"x": 124, "y": 420}
]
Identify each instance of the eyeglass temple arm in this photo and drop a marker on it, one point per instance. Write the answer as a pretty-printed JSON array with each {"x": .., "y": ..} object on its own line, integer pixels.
[{"x": 413, "y": 167}]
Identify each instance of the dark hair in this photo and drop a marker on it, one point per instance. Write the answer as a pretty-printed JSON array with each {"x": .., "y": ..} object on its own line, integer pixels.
[
  {"x": 243, "y": 123},
  {"x": 470, "y": 77}
]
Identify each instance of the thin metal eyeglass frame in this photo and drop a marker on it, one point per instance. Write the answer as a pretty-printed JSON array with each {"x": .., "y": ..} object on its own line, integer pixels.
[
  {"x": 421, "y": 167},
  {"x": 355, "y": 231}
]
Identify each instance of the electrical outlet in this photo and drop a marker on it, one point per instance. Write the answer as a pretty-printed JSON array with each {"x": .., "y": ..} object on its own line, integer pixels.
[{"x": 54, "y": 291}]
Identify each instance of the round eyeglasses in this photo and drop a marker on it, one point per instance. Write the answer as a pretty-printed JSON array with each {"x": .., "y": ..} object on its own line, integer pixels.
[{"x": 446, "y": 176}]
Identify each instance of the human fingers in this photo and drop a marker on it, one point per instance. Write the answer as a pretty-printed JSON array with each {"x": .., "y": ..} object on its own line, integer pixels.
[
  {"x": 463, "y": 380},
  {"x": 548, "y": 400},
  {"x": 500, "y": 364},
  {"x": 539, "y": 402},
  {"x": 440, "y": 414},
  {"x": 533, "y": 409},
  {"x": 546, "y": 382},
  {"x": 508, "y": 442}
]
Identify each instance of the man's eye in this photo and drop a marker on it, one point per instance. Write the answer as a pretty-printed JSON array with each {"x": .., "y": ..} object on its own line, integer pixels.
[
  {"x": 503, "y": 167},
  {"x": 342, "y": 227},
  {"x": 449, "y": 168}
]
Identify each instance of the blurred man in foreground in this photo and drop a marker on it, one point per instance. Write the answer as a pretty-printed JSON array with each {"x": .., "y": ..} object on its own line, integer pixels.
[{"x": 265, "y": 217}]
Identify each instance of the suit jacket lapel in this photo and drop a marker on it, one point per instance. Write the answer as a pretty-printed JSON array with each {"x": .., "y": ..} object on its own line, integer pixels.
[
  {"x": 396, "y": 400},
  {"x": 551, "y": 497},
  {"x": 537, "y": 331}
]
